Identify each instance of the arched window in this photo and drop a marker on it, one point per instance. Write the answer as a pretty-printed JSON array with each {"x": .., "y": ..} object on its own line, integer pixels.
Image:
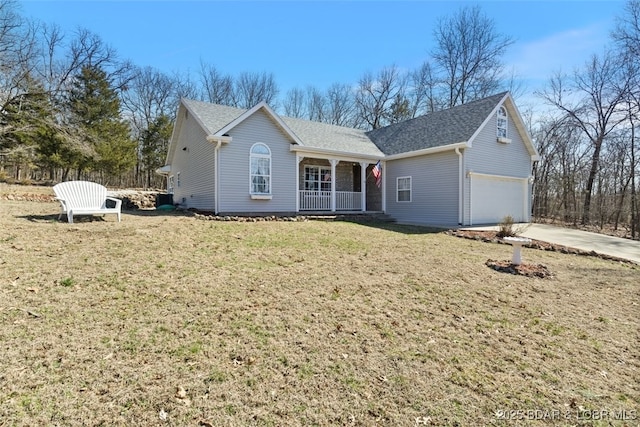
[
  {"x": 502, "y": 122},
  {"x": 260, "y": 169}
]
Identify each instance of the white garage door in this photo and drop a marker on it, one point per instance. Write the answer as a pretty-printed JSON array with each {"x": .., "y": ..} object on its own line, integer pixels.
[{"x": 494, "y": 197}]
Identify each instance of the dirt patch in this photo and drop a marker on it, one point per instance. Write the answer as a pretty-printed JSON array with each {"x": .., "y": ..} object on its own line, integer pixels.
[{"x": 524, "y": 269}]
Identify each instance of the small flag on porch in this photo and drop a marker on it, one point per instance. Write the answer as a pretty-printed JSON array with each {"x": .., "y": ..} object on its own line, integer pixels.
[{"x": 377, "y": 172}]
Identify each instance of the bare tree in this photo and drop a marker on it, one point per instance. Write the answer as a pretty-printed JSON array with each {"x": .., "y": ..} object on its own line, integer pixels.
[
  {"x": 252, "y": 88},
  {"x": 316, "y": 104},
  {"x": 376, "y": 95},
  {"x": 627, "y": 37},
  {"x": 558, "y": 181},
  {"x": 150, "y": 103},
  {"x": 18, "y": 52},
  {"x": 469, "y": 54},
  {"x": 627, "y": 32},
  {"x": 340, "y": 105},
  {"x": 591, "y": 98},
  {"x": 294, "y": 103},
  {"x": 424, "y": 90},
  {"x": 217, "y": 88}
]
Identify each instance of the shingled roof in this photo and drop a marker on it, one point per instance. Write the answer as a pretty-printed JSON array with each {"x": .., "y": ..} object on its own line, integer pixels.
[
  {"x": 440, "y": 128},
  {"x": 452, "y": 126},
  {"x": 312, "y": 134}
]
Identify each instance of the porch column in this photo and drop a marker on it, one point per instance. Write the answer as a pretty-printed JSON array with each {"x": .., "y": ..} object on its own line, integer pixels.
[
  {"x": 298, "y": 160},
  {"x": 384, "y": 187},
  {"x": 363, "y": 185},
  {"x": 334, "y": 163}
]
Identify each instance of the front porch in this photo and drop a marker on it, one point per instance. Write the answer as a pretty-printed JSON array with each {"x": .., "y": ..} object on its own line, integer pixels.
[
  {"x": 333, "y": 185},
  {"x": 321, "y": 200}
]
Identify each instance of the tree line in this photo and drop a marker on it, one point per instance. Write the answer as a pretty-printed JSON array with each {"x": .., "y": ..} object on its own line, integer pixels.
[
  {"x": 73, "y": 109},
  {"x": 587, "y": 173}
]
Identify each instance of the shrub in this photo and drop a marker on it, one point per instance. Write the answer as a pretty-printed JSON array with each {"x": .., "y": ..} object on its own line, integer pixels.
[
  {"x": 508, "y": 227},
  {"x": 505, "y": 228}
]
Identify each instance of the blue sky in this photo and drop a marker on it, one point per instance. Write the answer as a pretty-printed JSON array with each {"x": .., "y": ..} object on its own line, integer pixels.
[{"x": 322, "y": 42}]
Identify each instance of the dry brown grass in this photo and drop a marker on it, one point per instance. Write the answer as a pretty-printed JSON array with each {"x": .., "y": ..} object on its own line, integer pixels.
[{"x": 170, "y": 320}]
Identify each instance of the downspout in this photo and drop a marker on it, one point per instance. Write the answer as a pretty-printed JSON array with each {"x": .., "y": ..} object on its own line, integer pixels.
[
  {"x": 460, "y": 186},
  {"x": 216, "y": 187},
  {"x": 216, "y": 165}
]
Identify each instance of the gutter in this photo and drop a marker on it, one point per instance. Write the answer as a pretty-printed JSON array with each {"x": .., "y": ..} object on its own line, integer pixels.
[
  {"x": 426, "y": 151},
  {"x": 338, "y": 155}
]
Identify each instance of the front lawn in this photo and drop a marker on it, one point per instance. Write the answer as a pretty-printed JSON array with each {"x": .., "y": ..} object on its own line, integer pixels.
[{"x": 166, "y": 319}]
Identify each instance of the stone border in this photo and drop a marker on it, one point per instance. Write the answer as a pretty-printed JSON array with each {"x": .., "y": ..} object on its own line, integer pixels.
[{"x": 490, "y": 237}]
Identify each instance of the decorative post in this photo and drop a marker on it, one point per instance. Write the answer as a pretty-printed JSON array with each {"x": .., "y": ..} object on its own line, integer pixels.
[
  {"x": 334, "y": 163},
  {"x": 363, "y": 186},
  {"x": 298, "y": 160}
]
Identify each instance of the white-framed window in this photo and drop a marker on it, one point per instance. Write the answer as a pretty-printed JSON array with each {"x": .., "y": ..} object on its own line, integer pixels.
[
  {"x": 260, "y": 169},
  {"x": 502, "y": 122},
  {"x": 178, "y": 179},
  {"x": 170, "y": 184},
  {"x": 403, "y": 189},
  {"x": 317, "y": 178}
]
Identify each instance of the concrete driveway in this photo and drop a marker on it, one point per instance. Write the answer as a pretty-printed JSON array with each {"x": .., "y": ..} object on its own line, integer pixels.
[{"x": 587, "y": 241}]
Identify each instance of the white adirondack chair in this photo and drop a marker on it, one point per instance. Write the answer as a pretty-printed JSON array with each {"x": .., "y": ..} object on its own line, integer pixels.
[{"x": 84, "y": 198}]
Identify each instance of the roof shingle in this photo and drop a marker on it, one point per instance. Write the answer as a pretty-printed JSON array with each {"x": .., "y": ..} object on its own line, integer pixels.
[{"x": 435, "y": 129}]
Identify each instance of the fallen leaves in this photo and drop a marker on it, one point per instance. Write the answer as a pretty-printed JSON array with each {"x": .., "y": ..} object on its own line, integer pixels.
[{"x": 182, "y": 397}]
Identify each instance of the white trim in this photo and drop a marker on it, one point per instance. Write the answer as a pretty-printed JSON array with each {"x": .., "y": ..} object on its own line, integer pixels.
[
  {"x": 524, "y": 180},
  {"x": 320, "y": 180},
  {"x": 426, "y": 151},
  {"x": 489, "y": 118},
  {"x": 262, "y": 105},
  {"x": 503, "y": 177},
  {"x": 260, "y": 156},
  {"x": 220, "y": 139},
  {"x": 334, "y": 163},
  {"x": 517, "y": 119},
  {"x": 298, "y": 160},
  {"x": 327, "y": 154},
  {"x": 262, "y": 196},
  {"x": 164, "y": 170},
  {"x": 502, "y": 115},
  {"x": 460, "y": 186},
  {"x": 363, "y": 186},
  {"x": 216, "y": 177},
  {"x": 384, "y": 186},
  {"x": 410, "y": 189}
]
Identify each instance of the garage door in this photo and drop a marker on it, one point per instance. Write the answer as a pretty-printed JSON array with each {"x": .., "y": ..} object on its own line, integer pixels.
[{"x": 494, "y": 197}]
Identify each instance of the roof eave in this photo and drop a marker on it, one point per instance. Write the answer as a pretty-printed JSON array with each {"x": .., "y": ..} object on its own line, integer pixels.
[
  {"x": 340, "y": 155},
  {"x": 426, "y": 151},
  {"x": 219, "y": 138},
  {"x": 164, "y": 170},
  {"x": 262, "y": 105}
]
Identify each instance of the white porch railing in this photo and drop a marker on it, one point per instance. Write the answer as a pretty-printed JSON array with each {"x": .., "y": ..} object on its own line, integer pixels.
[
  {"x": 348, "y": 201},
  {"x": 321, "y": 200},
  {"x": 315, "y": 200}
]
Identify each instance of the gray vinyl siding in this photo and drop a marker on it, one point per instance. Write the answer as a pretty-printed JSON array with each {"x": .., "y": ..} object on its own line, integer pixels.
[
  {"x": 196, "y": 167},
  {"x": 434, "y": 189},
  {"x": 234, "y": 168},
  {"x": 489, "y": 156}
]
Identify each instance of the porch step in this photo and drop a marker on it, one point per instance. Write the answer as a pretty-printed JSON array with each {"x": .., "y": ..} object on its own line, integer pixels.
[{"x": 366, "y": 217}]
